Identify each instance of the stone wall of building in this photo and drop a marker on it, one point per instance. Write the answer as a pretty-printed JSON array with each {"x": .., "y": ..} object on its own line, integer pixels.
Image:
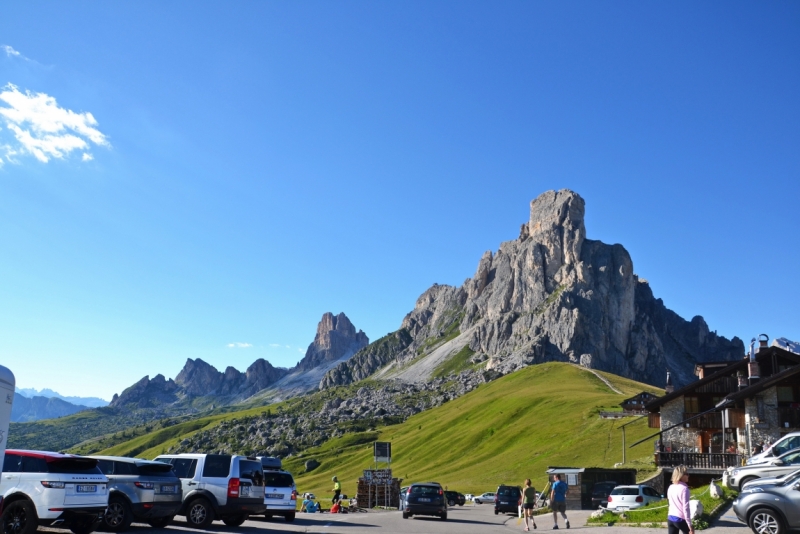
[
  {"x": 765, "y": 426},
  {"x": 680, "y": 437}
]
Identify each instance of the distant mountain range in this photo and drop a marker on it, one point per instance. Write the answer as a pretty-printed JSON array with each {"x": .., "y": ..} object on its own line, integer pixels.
[{"x": 91, "y": 402}]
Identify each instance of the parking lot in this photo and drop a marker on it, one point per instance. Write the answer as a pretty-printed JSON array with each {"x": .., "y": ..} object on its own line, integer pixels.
[{"x": 462, "y": 519}]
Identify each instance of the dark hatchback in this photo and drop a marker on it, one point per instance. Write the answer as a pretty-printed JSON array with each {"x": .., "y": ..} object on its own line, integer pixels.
[
  {"x": 600, "y": 493},
  {"x": 507, "y": 499},
  {"x": 425, "y": 499},
  {"x": 455, "y": 498}
]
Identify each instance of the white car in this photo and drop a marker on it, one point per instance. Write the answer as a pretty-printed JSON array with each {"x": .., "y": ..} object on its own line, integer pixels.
[
  {"x": 624, "y": 498},
  {"x": 486, "y": 497},
  {"x": 51, "y": 489},
  {"x": 280, "y": 491},
  {"x": 785, "y": 444},
  {"x": 309, "y": 496},
  {"x": 469, "y": 496}
]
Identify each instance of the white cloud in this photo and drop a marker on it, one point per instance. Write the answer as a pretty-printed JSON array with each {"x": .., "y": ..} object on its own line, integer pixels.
[
  {"x": 43, "y": 129},
  {"x": 274, "y": 345},
  {"x": 10, "y": 52},
  {"x": 239, "y": 345}
]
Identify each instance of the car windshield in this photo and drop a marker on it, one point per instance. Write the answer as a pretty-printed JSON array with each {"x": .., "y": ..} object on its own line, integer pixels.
[
  {"x": 278, "y": 480},
  {"x": 625, "y": 491},
  {"x": 156, "y": 470}
]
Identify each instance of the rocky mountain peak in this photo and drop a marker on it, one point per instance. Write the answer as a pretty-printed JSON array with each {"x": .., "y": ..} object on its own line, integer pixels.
[
  {"x": 550, "y": 295},
  {"x": 336, "y": 339}
]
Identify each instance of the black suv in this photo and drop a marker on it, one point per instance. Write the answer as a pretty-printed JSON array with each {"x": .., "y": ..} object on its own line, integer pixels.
[
  {"x": 600, "y": 493},
  {"x": 455, "y": 498},
  {"x": 507, "y": 499},
  {"x": 425, "y": 498}
]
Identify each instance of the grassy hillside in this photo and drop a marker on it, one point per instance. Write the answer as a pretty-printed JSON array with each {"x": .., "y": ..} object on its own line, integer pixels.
[{"x": 504, "y": 431}]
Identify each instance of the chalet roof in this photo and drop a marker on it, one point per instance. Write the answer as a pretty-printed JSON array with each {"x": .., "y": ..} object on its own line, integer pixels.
[
  {"x": 763, "y": 384},
  {"x": 735, "y": 366}
]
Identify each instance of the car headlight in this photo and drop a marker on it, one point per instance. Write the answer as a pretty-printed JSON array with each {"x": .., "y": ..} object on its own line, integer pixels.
[
  {"x": 754, "y": 489},
  {"x": 735, "y": 472}
]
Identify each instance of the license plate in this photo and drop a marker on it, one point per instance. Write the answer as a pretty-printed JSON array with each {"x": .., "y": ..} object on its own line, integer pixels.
[
  {"x": 169, "y": 489},
  {"x": 503, "y": 503},
  {"x": 423, "y": 499},
  {"x": 86, "y": 488},
  {"x": 244, "y": 490},
  {"x": 274, "y": 495}
]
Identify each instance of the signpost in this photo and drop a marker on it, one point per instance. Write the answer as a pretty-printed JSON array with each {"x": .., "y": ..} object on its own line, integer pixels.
[{"x": 382, "y": 452}]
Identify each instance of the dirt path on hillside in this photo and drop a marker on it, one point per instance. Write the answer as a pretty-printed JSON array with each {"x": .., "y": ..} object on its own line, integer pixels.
[{"x": 601, "y": 377}]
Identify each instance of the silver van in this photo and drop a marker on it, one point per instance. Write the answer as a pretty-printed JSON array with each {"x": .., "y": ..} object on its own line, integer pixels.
[
  {"x": 280, "y": 491},
  {"x": 139, "y": 490}
]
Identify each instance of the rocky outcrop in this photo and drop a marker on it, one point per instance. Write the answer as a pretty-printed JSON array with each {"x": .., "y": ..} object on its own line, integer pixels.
[
  {"x": 38, "y": 407},
  {"x": 554, "y": 295},
  {"x": 368, "y": 359},
  {"x": 336, "y": 339}
]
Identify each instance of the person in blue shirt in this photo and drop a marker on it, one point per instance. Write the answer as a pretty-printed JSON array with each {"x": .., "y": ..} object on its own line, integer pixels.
[
  {"x": 558, "y": 501},
  {"x": 308, "y": 505}
]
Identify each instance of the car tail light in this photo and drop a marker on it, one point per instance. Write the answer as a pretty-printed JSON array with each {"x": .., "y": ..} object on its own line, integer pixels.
[
  {"x": 53, "y": 485},
  {"x": 233, "y": 487},
  {"x": 639, "y": 499},
  {"x": 496, "y": 498},
  {"x": 294, "y": 495},
  {"x": 610, "y": 499},
  {"x": 440, "y": 491},
  {"x": 408, "y": 491},
  {"x": 145, "y": 485}
]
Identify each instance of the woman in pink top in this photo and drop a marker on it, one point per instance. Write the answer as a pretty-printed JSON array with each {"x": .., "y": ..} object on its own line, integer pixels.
[{"x": 679, "y": 518}]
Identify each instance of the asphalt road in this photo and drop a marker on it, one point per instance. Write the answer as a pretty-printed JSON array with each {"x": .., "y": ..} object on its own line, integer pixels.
[{"x": 462, "y": 520}]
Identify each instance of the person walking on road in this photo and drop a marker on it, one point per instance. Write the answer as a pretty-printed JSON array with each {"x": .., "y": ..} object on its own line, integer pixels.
[
  {"x": 337, "y": 490},
  {"x": 679, "y": 517},
  {"x": 558, "y": 501},
  {"x": 528, "y": 499}
]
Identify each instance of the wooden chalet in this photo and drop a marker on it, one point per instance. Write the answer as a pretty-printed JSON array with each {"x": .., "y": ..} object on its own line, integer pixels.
[{"x": 712, "y": 423}]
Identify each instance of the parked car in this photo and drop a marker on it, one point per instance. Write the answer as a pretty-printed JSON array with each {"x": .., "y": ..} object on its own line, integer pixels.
[
  {"x": 455, "y": 498},
  {"x": 484, "y": 498},
  {"x": 629, "y": 497},
  {"x": 218, "y": 486},
  {"x": 51, "y": 489},
  {"x": 793, "y": 476},
  {"x": 787, "y": 443},
  {"x": 771, "y": 467},
  {"x": 469, "y": 496},
  {"x": 425, "y": 499},
  {"x": 140, "y": 490},
  {"x": 770, "y": 508},
  {"x": 310, "y": 496},
  {"x": 600, "y": 493},
  {"x": 280, "y": 491},
  {"x": 507, "y": 499},
  {"x": 403, "y": 491}
]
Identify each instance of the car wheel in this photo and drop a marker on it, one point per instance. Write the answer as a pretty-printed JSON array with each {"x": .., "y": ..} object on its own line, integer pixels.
[
  {"x": 405, "y": 515},
  {"x": 85, "y": 525},
  {"x": 289, "y": 517},
  {"x": 451, "y": 502},
  {"x": 766, "y": 521},
  {"x": 199, "y": 513},
  {"x": 234, "y": 520},
  {"x": 118, "y": 516},
  {"x": 444, "y": 517},
  {"x": 496, "y": 512},
  {"x": 268, "y": 516},
  {"x": 19, "y": 517},
  {"x": 160, "y": 522}
]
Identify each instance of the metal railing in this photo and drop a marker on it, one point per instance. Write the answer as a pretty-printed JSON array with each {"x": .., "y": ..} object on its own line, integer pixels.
[{"x": 698, "y": 460}]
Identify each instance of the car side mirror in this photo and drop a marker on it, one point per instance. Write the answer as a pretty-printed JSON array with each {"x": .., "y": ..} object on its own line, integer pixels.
[
  {"x": 796, "y": 486},
  {"x": 780, "y": 462}
]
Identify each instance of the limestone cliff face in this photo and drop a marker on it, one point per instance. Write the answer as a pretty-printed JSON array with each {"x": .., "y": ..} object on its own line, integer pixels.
[
  {"x": 336, "y": 339},
  {"x": 553, "y": 295}
]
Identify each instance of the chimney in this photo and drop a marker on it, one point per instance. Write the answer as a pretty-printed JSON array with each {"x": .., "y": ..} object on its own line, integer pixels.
[
  {"x": 741, "y": 379},
  {"x": 763, "y": 342},
  {"x": 669, "y": 388},
  {"x": 752, "y": 366}
]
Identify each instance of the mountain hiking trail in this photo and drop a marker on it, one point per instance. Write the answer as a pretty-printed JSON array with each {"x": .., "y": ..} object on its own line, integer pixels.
[{"x": 601, "y": 377}]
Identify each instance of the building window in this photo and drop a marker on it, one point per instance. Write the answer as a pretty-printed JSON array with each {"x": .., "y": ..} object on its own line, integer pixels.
[
  {"x": 691, "y": 405},
  {"x": 785, "y": 394}
]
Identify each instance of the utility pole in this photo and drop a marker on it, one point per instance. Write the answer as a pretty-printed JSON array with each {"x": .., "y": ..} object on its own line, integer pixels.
[{"x": 623, "y": 436}]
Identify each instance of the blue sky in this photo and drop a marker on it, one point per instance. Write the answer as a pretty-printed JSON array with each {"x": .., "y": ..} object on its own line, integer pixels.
[{"x": 205, "y": 179}]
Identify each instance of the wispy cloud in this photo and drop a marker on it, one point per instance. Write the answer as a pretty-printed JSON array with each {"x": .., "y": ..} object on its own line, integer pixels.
[
  {"x": 275, "y": 345},
  {"x": 10, "y": 52},
  {"x": 43, "y": 129},
  {"x": 239, "y": 345}
]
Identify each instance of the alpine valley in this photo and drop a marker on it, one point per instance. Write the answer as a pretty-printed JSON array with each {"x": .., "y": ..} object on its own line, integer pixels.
[{"x": 551, "y": 295}]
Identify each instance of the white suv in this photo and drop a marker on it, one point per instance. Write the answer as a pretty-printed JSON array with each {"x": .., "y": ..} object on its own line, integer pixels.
[
  {"x": 51, "y": 489},
  {"x": 280, "y": 490},
  {"x": 218, "y": 486}
]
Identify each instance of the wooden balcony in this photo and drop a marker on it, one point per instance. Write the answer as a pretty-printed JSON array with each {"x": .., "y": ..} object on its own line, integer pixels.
[
  {"x": 696, "y": 460},
  {"x": 724, "y": 385},
  {"x": 711, "y": 420}
]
